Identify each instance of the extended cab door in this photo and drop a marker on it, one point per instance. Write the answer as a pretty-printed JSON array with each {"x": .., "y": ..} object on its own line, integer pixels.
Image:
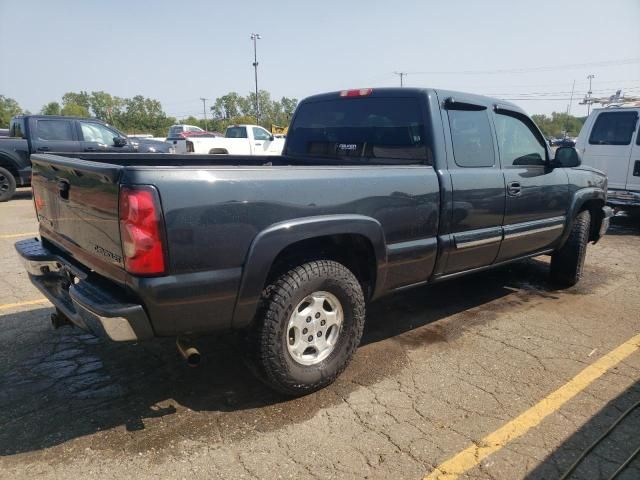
[
  {"x": 608, "y": 145},
  {"x": 53, "y": 135},
  {"x": 97, "y": 137},
  {"x": 537, "y": 196},
  {"x": 478, "y": 190}
]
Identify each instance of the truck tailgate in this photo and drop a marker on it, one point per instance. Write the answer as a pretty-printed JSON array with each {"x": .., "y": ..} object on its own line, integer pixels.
[{"x": 77, "y": 209}]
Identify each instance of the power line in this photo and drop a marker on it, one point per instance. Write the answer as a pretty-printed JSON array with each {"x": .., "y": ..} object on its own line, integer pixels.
[
  {"x": 401, "y": 75},
  {"x": 606, "y": 63}
]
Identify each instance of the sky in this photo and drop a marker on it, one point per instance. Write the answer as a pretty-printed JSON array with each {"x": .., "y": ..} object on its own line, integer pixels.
[{"x": 178, "y": 52}]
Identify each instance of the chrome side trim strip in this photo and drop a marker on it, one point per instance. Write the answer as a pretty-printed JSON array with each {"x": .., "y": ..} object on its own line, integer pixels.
[
  {"x": 509, "y": 236},
  {"x": 477, "y": 243}
]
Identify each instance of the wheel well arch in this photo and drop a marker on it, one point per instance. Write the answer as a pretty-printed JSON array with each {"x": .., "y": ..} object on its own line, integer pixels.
[
  {"x": 8, "y": 164},
  {"x": 354, "y": 251}
]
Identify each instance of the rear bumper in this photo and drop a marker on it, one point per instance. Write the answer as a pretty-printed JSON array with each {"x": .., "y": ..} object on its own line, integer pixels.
[
  {"x": 623, "y": 198},
  {"x": 91, "y": 304}
]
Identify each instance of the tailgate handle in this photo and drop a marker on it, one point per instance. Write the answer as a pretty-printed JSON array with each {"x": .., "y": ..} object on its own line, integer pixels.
[{"x": 63, "y": 188}]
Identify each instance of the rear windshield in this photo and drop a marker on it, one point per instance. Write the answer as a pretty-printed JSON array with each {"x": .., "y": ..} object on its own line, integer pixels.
[
  {"x": 175, "y": 131},
  {"x": 361, "y": 130}
]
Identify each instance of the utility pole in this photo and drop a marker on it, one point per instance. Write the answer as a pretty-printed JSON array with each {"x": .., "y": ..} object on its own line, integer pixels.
[
  {"x": 590, "y": 77},
  {"x": 566, "y": 126},
  {"x": 204, "y": 111},
  {"x": 401, "y": 75},
  {"x": 255, "y": 37}
]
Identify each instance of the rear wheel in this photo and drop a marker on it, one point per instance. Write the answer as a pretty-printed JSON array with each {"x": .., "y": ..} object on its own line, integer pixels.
[
  {"x": 7, "y": 185},
  {"x": 567, "y": 262},
  {"x": 312, "y": 322}
]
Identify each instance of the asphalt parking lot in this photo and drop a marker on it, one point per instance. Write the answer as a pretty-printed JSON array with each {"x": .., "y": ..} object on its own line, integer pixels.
[{"x": 495, "y": 376}]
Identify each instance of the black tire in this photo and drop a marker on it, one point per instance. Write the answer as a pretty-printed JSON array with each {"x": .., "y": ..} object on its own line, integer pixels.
[
  {"x": 567, "y": 262},
  {"x": 275, "y": 364},
  {"x": 7, "y": 185}
]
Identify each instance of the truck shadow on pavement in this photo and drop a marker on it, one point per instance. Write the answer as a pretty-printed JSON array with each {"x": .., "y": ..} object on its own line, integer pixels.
[
  {"x": 608, "y": 454},
  {"x": 66, "y": 385}
]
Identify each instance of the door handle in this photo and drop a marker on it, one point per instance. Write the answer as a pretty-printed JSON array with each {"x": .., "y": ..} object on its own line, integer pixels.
[
  {"x": 636, "y": 168},
  {"x": 258, "y": 144},
  {"x": 90, "y": 149},
  {"x": 514, "y": 189},
  {"x": 43, "y": 149}
]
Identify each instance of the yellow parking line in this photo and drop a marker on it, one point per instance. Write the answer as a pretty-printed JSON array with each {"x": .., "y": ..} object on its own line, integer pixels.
[
  {"x": 6, "y": 306},
  {"x": 474, "y": 454},
  {"x": 18, "y": 235}
]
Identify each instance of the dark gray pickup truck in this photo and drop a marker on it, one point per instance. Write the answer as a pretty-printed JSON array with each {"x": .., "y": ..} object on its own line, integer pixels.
[{"x": 376, "y": 191}]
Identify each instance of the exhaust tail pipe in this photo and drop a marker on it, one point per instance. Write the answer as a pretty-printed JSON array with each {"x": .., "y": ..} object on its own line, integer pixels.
[{"x": 188, "y": 352}]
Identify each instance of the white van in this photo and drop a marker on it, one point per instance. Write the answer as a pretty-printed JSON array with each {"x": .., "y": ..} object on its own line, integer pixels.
[{"x": 610, "y": 141}]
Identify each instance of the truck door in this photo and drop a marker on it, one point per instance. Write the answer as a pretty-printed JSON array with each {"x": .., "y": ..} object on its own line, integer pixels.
[
  {"x": 608, "y": 146},
  {"x": 54, "y": 135},
  {"x": 97, "y": 137},
  {"x": 633, "y": 177},
  {"x": 262, "y": 141},
  {"x": 537, "y": 196},
  {"x": 478, "y": 190}
]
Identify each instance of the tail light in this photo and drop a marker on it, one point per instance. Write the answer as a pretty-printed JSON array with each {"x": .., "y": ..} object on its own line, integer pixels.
[
  {"x": 361, "y": 92},
  {"x": 190, "y": 147},
  {"x": 141, "y": 230}
]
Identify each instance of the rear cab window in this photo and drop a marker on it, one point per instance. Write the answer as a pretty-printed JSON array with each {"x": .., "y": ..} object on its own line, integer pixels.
[
  {"x": 613, "y": 128},
  {"x": 361, "y": 130},
  {"x": 16, "y": 128}
]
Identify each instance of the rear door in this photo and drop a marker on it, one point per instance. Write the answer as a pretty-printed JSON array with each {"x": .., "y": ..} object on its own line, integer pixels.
[
  {"x": 633, "y": 177},
  {"x": 54, "y": 135},
  {"x": 478, "y": 186},
  {"x": 97, "y": 137},
  {"x": 608, "y": 146},
  {"x": 537, "y": 196}
]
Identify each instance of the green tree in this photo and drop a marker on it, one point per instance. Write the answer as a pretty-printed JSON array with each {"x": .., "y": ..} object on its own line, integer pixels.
[
  {"x": 559, "y": 124},
  {"x": 75, "y": 110},
  {"x": 8, "y": 108},
  {"x": 51, "y": 108},
  {"x": 77, "y": 98},
  {"x": 105, "y": 106}
]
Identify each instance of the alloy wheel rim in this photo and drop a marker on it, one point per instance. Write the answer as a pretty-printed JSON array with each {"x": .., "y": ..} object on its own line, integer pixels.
[{"x": 314, "y": 328}]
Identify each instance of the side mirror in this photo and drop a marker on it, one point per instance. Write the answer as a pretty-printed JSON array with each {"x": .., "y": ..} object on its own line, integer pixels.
[
  {"x": 119, "y": 141},
  {"x": 566, "y": 157},
  {"x": 271, "y": 138}
]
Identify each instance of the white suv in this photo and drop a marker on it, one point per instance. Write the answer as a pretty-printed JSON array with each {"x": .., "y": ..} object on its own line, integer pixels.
[{"x": 610, "y": 141}]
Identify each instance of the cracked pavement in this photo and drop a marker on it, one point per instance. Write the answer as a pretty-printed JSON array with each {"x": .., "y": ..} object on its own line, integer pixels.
[{"x": 438, "y": 369}]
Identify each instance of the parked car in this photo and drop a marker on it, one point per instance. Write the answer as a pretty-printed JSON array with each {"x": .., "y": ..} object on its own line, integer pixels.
[
  {"x": 178, "y": 135},
  {"x": 377, "y": 191},
  {"x": 238, "y": 140},
  {"x": 4, "y": 132},
  {"x": 49, "y": 133},
  {"x": 177, "y": 131},
  {"x": 563, "y": 142},
  {"x": 610, "y": 141}
]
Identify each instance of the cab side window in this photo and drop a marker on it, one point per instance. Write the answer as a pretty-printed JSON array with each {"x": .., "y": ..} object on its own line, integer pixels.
[
  {"x": 261, "y": 134},
  {"x": 517, "y": 142},
  {"x": 472, "y": 138},
  {"x": 55, "y": 130},
  {"x": 95, "y": 132},
  {"x": 613, "y": 128}
]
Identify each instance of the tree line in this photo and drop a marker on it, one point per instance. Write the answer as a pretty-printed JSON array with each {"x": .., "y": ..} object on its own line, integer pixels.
[
  {"x": 140, "y": 114},
  {"x": 145, "y": 115}
]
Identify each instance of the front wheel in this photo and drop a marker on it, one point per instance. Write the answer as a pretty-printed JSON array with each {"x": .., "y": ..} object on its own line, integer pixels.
[
  {"x": 310, "y": 324},
  {"x": 7, "y": 185},
  {"x": 567, "y": 262}
]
